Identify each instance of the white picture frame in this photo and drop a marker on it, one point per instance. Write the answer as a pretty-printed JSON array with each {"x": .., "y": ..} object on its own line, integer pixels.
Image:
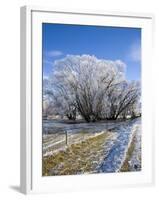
[{"x": 31, "y": 139}]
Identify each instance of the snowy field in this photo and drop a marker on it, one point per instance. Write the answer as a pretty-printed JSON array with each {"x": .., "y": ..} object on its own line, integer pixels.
[{"x": 120, "y": 145}]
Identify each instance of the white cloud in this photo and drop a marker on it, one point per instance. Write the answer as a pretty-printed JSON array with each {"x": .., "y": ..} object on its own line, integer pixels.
[
  {"x": 47, "y": 62},
  {"x": 54, "y": 53},
  {"x": 135, "y": 52},
  {"x": 121, "y": 65},
  {"x": 45, "y": 77}
]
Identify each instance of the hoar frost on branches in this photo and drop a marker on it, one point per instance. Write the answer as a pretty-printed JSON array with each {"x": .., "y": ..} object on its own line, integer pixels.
[{"x": 93, "y": 88}]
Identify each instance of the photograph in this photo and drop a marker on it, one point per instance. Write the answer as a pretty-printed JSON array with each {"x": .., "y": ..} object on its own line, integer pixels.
[{"x": 91, "y": 99}]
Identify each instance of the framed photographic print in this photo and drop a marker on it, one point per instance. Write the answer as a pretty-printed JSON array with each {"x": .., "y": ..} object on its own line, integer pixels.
[{"x": 86, "y": 103}]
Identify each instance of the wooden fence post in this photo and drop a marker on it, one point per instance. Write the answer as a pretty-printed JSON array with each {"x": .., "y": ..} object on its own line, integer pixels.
[{"x": 66, "y": 139}]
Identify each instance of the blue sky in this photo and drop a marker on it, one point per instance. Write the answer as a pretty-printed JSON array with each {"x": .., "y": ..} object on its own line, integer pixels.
[{"x": 110, "y": 43}]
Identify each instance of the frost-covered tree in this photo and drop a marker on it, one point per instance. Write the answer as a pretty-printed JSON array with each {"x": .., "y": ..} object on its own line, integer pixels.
[
  {"x": 122, "y": 99},
  {"x": 56, "y": 102},
  {"x": 47, "y": 98},
  {"x": 93, "y": 88}
]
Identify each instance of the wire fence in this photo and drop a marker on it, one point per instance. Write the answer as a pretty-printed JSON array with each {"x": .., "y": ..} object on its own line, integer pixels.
[{"x": 58, "y": 141}]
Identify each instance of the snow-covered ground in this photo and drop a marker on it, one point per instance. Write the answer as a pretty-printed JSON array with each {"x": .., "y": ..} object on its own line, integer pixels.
[{"x": 115, "y": 148}]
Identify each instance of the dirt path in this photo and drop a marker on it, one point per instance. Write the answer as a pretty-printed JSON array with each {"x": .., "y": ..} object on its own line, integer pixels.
[{"x": 133, "y": 157}]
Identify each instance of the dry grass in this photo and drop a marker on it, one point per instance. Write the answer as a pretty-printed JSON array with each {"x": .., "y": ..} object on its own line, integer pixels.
[
  {"x": 125, "y": 167},
  {"x": 83, "y": 157}
]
